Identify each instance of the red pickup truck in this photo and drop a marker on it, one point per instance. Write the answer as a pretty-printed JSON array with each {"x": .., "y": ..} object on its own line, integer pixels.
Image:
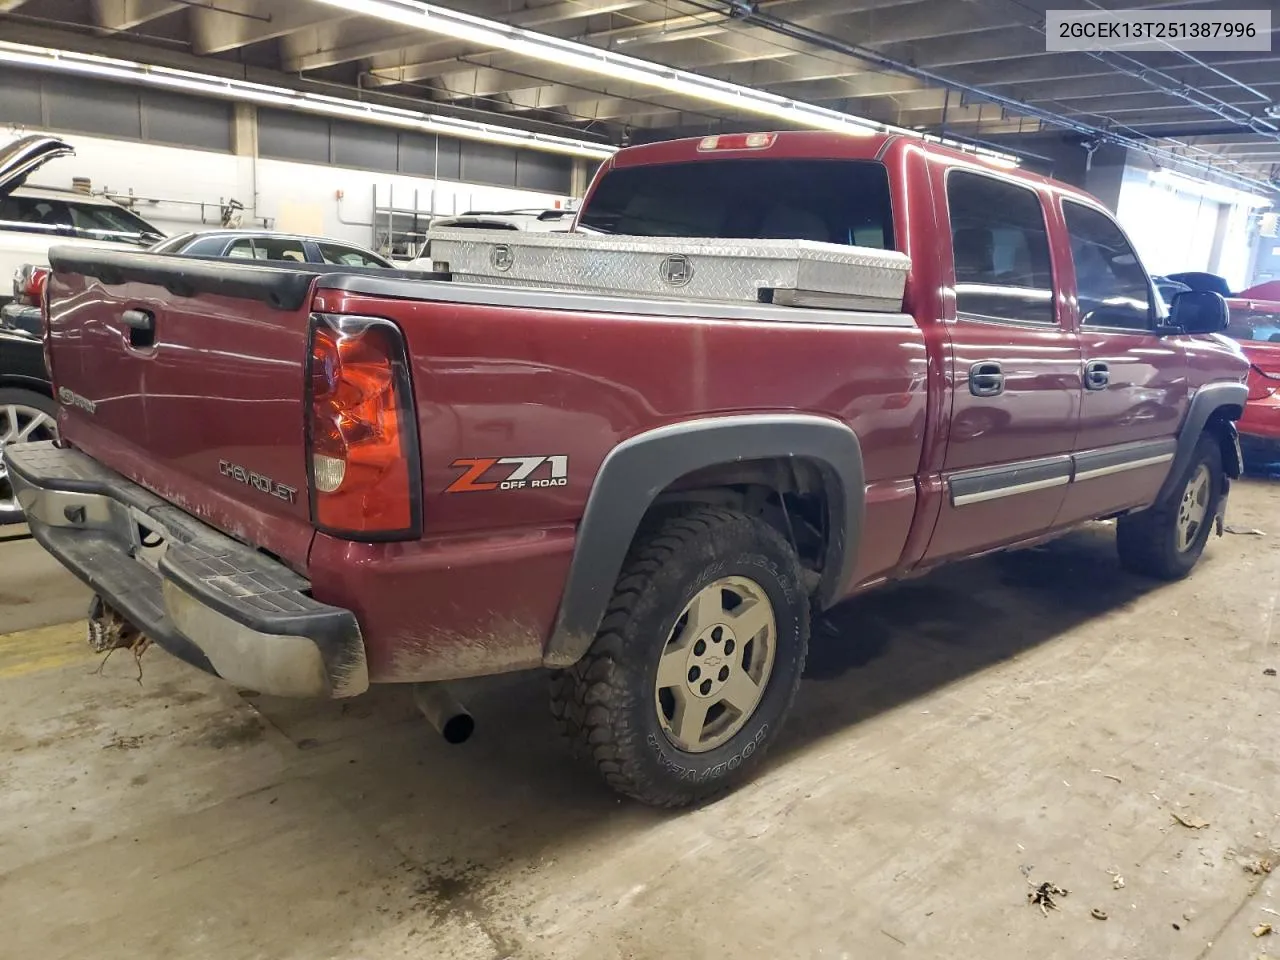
[{"x": 307, "y": 480}]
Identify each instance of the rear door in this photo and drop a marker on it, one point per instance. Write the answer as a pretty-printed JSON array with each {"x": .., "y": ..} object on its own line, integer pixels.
[
  {"x": 1014, "y": 362},
  {"x": 1135, "y": 381}
]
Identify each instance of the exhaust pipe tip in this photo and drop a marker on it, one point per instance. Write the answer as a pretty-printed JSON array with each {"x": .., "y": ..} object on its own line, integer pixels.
[
  {"x": 443, "y": 711},
  {"x": 458, "y": 728}
]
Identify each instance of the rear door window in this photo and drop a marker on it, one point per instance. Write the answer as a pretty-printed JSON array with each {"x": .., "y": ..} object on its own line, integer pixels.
[
  {"x": 344, "y": 256},
  {"x": 1001, "y": 248},
  {"x": 207, "y": 247},
  {"x": 34, "y": 215},
  {"x": 242, "y": 249},
  {"x": 832, "y": 201},
  {"x": 279, "y": 248}
]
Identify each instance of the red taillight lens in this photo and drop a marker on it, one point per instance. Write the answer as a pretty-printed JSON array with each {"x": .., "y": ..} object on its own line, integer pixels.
[
  {"x": 29, "y": 284},
  {"x": 362, "y": 433},
  {"x": 35, "y": 281}
]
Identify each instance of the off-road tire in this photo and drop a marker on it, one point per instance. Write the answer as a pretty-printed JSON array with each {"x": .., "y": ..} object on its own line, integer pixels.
[
  {"x": 605, "y": 703},
  {"x": 1148, "y": 541}
]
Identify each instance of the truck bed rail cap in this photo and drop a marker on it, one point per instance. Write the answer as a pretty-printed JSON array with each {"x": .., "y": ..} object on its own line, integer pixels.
[{"x": 543, "y": 299}]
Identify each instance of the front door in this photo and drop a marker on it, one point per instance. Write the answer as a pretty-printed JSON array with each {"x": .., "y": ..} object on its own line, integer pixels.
[
  {"x": 1015, "y": 371},
  {"x": 1135, "y": 381}
]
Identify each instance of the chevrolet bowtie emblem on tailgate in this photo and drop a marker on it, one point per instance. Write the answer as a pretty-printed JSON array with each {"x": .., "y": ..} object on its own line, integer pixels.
[
  {"x": 69, "y": 398},
  {"x": 496, "y": 473},
  {"x": 233, "y": 471}
]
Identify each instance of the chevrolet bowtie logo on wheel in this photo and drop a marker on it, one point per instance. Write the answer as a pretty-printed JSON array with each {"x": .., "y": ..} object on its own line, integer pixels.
[{"x": 676, "y": 270}]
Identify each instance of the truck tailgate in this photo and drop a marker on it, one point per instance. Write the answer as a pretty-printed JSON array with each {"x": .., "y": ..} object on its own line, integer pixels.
[{"x": 187, "y": 377}]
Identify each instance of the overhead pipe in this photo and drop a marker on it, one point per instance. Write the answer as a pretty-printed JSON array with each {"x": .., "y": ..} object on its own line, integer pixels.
[
  {"x": 748, "y": 13},
  {"x": 1197, "y": 62}
]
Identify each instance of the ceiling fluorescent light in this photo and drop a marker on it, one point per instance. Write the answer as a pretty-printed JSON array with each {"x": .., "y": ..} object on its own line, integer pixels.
[
  {"x": 616, "y": 66},
  {"x": 267, "y": 95}
]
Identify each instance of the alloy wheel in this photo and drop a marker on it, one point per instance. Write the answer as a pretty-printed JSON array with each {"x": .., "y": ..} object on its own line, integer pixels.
[
  {"x": 19, "y": 423},
  {"x": 1194, "y": 507},
  {"x": 716, "y": 664}
]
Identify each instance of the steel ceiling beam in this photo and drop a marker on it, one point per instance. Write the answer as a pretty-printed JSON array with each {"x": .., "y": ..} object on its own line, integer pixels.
[
  {"x": 325, "y": 48},
  {"x": 232, "y": 24},
  {"x": 114, "y": 16}
]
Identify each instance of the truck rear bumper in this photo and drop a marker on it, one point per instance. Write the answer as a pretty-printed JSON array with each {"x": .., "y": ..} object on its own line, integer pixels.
[{"x": 199, "y": 594}]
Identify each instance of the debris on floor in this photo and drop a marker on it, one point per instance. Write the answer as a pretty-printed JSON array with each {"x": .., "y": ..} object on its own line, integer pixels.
[
  {"x": 118, "y": 742},
  {"x": 1258, "y": 867},
  {"x": 1191, "y": 822},
  {"x": 1244, "y": 531},
  {"x": 1269, "y": 672},
  {"x": 1262, "y": 930},
  {"x": 1098, "y": 914},
  {"x": 1043, "y": 896},
  {"x": 1117, "y": 881}
]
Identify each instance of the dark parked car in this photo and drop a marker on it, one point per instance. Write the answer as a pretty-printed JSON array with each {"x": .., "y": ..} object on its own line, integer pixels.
[
  {"x": 27, "y": 410},
  {"x": 280, "y": 247},
  {"x": 1198, "y": 280},
  {"x": 1169, "y": 288}
]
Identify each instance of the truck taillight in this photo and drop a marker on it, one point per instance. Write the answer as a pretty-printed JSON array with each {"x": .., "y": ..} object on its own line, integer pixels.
[
  {"x": 737, "y": 141},
  {"x": 35, "y": 280},
  {"x": 362, "y": 431},
  {"x": 29, "y": 284}
]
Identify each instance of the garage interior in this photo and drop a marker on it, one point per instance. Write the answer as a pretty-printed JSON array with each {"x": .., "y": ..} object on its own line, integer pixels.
[{"x": 960, "y": 740}]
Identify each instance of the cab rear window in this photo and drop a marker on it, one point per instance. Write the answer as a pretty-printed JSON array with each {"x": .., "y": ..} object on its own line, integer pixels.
[{"x": 833, "y": 201}]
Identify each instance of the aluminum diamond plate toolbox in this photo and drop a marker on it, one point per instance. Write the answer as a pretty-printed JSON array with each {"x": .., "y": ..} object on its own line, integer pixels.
[{"x": 787, "y": 272}]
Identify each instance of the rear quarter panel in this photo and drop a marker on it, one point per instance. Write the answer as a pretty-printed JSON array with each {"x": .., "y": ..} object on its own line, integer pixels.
[{"x": 495, "y": 382}]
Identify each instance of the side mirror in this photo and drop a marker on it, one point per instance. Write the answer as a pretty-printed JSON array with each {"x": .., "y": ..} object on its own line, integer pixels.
[{"x": 1198, "y": 311}]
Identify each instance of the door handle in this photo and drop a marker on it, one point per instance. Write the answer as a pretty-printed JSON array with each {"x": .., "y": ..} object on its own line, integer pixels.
[
  {"x": 1096, "y": 375},
  {"x": 142, "y": 328},
  {"x": 986, "y": 379},
  {"x": 142, "y": 320}
]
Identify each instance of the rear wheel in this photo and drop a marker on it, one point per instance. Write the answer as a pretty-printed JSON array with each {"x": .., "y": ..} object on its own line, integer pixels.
[
  {"x": 696, "y": 663},
  {"x": 24, "y": 415},
  {"x": 1166, "y": 540}
]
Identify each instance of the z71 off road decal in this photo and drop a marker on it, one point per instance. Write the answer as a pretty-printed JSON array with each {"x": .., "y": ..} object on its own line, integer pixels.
[{"x": 509, "y": 473}]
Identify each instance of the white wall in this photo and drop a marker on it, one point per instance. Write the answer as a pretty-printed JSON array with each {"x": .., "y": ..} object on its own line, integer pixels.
[
  {"x": 300, "y": 197},
  {"x": 1175, "y": 230}
]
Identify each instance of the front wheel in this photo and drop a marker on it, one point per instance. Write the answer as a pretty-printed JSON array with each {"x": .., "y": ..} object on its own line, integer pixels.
[
  {"x": 696, "y": 662},
  {"x": 1166, "y": 540}
]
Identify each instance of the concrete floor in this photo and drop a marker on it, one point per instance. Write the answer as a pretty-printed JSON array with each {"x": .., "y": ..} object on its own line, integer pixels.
[{"x": 1030, "y": 717}]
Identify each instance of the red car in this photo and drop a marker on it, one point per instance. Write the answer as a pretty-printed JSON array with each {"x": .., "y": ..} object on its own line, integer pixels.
[
  {"x": 308, "y": 479},
  {"x": 1255, "y": 323}
]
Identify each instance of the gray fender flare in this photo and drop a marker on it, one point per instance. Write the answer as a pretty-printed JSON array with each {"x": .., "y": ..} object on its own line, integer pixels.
[
  {"x": 1209, "y": 399},
  {"x": 640, "y": 468}
]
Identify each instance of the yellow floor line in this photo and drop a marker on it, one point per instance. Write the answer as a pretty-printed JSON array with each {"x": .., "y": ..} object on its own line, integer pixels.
[{"x": 45, "y": 648}]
